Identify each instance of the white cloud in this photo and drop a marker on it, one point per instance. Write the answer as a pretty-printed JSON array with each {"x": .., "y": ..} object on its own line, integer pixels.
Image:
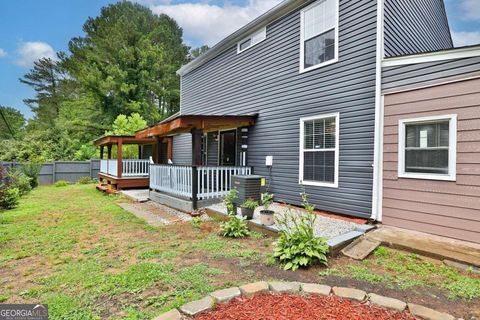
[
  {"x": 29, "y": 52},
  {"x": 3, "y": 53},
  {"x": 465, "y": 38},
  {"x": 470, "y": 9},
  {"x": 209, "y": 23}
]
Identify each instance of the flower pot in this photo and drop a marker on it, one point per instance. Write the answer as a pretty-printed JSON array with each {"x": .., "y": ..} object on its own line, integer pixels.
[
  {"x": 247, "y": 213},
  {"x": 266, "y": 217}
]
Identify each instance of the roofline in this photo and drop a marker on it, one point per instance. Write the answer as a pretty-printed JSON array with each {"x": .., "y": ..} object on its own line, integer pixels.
[
  {"x": 268, "y": 17},
  {"x": 455, "y": 53}
]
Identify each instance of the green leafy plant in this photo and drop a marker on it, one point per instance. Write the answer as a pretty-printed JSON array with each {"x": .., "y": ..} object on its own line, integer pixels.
[
  {"x": 61, "y": 183},
  {"x": 196, "y": 222},
  {"x": 19, "y": 180},
  {"x": 85, "y": 180},
  {"x": 32, "y": 170},
  {"x": 297, "y": 245},
  {"x": 267, "y": 200},
  {"x": 250, "y": 204},
  {"x": 229, "y": 200},
  {"x": 9, "y": 197},
  {"x": 235, "y": 227}
]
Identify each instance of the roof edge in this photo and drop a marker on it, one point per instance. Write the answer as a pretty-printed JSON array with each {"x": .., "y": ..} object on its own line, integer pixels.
[{"x": 268, "y": 17}]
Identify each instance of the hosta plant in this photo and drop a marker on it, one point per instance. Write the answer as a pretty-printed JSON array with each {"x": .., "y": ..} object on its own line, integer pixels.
[{"x": 297, "y": 245}]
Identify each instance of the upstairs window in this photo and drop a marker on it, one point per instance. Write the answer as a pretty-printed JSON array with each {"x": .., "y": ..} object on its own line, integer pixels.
[
  {"x": 427, "y": 148},
  {"x": 252, "y": 40},
  {"x": 319, "y": 150},
  {"x": 319, "y": 35}
]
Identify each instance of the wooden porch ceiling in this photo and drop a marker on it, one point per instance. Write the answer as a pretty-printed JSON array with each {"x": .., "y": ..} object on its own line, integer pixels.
[
  {"x": 185, "y": 123},
  {"x": 111, "y": 140}
]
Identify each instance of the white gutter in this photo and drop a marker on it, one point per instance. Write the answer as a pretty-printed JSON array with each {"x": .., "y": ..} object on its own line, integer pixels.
[{"x": 378, "y": 137}]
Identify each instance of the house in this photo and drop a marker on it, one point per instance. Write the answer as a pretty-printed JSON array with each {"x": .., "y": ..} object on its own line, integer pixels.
[{"x": 296, "y": 96}]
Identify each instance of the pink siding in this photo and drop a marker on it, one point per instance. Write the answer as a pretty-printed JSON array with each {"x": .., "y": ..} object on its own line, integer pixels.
[{"x": 446, "y": 208}]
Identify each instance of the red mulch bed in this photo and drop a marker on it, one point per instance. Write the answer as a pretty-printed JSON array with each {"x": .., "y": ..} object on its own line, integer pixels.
[{"x": 294, "y": 307}]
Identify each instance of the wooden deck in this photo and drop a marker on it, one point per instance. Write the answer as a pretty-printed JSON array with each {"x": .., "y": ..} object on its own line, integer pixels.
[{"x": 123, "y": 182}]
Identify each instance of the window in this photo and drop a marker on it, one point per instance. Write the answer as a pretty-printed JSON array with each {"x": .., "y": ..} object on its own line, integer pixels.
[
  {"x": 319, "y": 35},
  {"x": 252, "y": 40},
  {"x": 319, "y": 150},
  {"x": 427, "y": 148}
]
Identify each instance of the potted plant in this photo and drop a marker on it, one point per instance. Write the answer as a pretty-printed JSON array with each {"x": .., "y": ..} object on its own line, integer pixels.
[
  {"x": 248, "y": 208},
  {"x": 266, "y": 215},
  {"x": 229, "y": 201}
]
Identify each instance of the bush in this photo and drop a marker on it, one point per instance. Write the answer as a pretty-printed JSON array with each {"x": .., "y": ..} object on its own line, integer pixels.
[
  {"x": 196, "y": 222},
  {"x": 61, "y": 183},
  {"x": 19, "y": 180},
  {"x": 250, "y": 204},
  {"x": 297, "y": 245},
  {"x": 31, "y": 170},
  {"x": 235, "y": 227},
  {"x": 9, "y": 197},
  {"x": 85, "y": 180},
  {"x": 229, "y": 200},
  {"x": 267, "y": 199}
]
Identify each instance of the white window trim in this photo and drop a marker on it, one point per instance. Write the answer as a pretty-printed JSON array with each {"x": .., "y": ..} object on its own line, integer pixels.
[
  {"x": 336, "y": 149},
  {"x": 452, "y": 148},
  {"x": 302, "y": 38},
  {"x": 262, "y": 31}
]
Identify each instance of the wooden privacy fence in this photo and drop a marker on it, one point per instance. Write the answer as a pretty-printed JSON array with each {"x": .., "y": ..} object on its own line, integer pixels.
[
  {"x": 71, "y": 171},
  {"x": 194, "y": 182}
]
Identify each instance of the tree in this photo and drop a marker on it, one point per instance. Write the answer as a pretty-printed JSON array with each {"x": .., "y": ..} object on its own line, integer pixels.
[
  {"x": 126, "y": 126},
  {"x": 11, "y": 119},
  {"x": 45, "y": 78},
  {"x": 127, "y": 62},
  {"x": 197, "y": 52}
]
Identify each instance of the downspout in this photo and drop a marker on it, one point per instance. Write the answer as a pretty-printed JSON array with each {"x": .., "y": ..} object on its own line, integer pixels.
[{"x": 378, "y": 143}]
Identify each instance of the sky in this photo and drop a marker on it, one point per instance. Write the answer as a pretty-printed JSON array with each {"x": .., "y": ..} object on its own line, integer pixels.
[{"x": 32, "y": 29}]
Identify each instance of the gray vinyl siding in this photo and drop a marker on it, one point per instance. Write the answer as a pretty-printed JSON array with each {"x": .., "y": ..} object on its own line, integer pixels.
[
  {"x": 428, "y": 73},
  {"x": 265, "y": 79},
  {"x": 415, "y": 26},
  {"x": 182, "y": 149}
]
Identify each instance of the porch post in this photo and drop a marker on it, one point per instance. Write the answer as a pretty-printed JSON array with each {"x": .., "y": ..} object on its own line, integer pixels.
[
  {"x": 109, "y": 151},
  {"x": 194, "y": 188},
  {"x": 155, "y": 150},
  {"x": 101, "y": 152},
  {"x": 119, "y": 158},
  {"x": 197, "y": 147}
]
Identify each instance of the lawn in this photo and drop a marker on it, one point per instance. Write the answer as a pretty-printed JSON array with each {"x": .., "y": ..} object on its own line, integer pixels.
[{"x": 76, "y": 250}]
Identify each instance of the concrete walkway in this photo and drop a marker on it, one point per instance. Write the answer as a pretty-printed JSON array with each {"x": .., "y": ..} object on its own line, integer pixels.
[
  {"x": 137, "y": 195},
  {"x": 428, "y": 245}
]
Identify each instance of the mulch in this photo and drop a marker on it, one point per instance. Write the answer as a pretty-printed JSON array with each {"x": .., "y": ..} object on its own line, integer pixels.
[{"x": 294, "y": 307}]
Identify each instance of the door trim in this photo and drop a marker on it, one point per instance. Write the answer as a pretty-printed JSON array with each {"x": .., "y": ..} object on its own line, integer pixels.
[{"x": 220, "y": 145}]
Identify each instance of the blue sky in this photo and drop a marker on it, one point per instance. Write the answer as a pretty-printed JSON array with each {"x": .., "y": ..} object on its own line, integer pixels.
[{"x": 30, "y": 29}]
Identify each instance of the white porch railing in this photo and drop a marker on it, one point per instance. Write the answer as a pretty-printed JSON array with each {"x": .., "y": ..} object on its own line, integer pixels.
[
  {"x": 211, "y": 182},
  {"x": 135, "y": 167},
  {"x": 214, "y": 182},
  {"x": 131, "y": 167},
  {"x": 176, "y": 180}
]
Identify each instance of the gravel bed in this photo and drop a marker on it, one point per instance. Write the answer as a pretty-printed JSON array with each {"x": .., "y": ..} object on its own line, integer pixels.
[
  {"x": 324, "y": 226},
  {"x": 176, "y": 213}
]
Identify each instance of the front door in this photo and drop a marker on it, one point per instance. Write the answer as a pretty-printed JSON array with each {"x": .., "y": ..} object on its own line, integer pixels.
[{"x": 228, "y": 147}]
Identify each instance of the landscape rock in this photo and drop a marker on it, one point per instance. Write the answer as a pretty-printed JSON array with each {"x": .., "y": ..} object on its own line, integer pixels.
[
  {"x": 313, "y": 288},
  {"x": 427, "y": 313},
  {"x": 280, "y": 287},
  {"x": 349, "y": 293},
  {"x": 226, "y": 295},
  {"x": 252, "y": 289},
  {"x": 196, "y": 307},
  {"x": 170, "y": 315},
  {"x": 386, "y": 302}
]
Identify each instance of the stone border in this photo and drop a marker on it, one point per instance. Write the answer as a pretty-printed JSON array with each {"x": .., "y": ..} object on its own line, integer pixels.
[{"x": 251, "y": 289}]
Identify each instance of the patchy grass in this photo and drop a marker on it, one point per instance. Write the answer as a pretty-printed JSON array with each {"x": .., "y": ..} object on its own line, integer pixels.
[{"x": 77, "y": 250}]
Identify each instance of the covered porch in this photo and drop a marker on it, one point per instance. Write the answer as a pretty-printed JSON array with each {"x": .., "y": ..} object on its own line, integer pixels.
[
  {"x": 201, "y": 181},
  {"x": 124, "y": 167}
]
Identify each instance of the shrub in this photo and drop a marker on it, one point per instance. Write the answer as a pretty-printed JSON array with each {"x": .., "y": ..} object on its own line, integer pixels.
[
  {"x": 229, "y": 200},
  {"x": 297, "y": 245},
  {"x": 31, "y": 170},
  {"x": 19, "y": 180},
  {"x": 196, "y": 222},
  {"x": 235, "y": 227},
  {"x": 267, "y": 199},
  {"x": 61, "y": 183},
  {"x": 9, "y": 197},
  {"x": 250, "y": 204},
  {"x": 85, "y": 180}
]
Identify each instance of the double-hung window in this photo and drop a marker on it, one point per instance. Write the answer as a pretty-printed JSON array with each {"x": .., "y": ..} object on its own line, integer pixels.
[
  {"x": 427, "y": 148},
  {"x": 319, "y": 137},
  {"x": 319, "y": 34}
]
